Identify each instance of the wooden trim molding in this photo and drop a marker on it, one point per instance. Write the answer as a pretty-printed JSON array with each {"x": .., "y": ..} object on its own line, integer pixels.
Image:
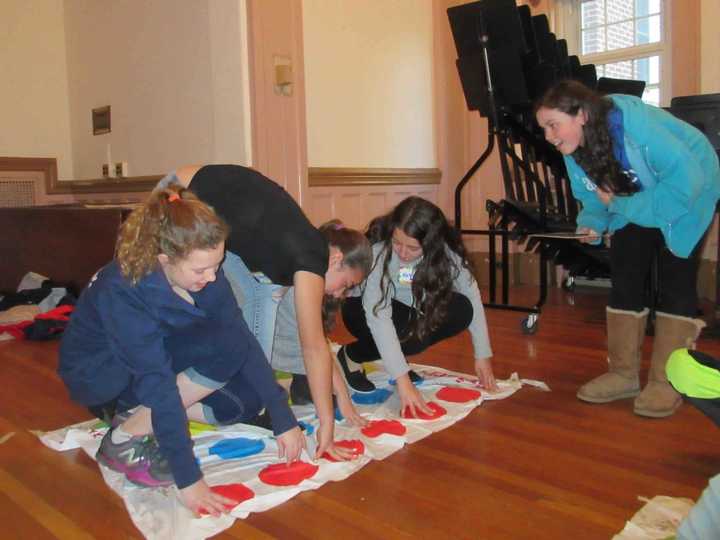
[
  {"x": 336, "y": 176},
  {"x": 71, "y": 187}
]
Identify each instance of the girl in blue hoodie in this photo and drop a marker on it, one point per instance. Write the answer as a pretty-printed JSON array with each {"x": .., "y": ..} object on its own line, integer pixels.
[
  {"x": 159, "y": 329},
  {"x": 651, "y": 181}
]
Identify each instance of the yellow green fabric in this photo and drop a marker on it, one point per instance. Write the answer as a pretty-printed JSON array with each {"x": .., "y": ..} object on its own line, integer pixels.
[{"x": 691, "y": 378}]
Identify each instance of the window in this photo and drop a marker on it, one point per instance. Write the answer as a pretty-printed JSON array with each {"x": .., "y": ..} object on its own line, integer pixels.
[{"x": 625, "y": 39}]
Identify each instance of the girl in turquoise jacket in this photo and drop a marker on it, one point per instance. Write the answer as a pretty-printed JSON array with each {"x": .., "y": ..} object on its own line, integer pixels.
[{"x": 651, "y": 182}]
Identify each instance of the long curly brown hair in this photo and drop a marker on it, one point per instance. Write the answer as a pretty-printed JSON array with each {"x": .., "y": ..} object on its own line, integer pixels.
[
  {"x": 435, "y": 273},
  {"x": 596, "y": 155},
  {"x": 172, "y": 221}
]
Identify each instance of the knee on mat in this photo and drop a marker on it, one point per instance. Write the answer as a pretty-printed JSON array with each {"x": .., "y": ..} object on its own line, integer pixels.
[{"x": 233, "y": 403}]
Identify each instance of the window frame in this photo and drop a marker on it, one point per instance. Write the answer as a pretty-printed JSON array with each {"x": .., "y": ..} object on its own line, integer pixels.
[{"x": 565, "y": 21}]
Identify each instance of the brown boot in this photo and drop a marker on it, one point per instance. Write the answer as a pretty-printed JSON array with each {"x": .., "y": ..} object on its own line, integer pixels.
[
  {"x": 626, "y": 332},
  {"x": 659, "y": 399}
]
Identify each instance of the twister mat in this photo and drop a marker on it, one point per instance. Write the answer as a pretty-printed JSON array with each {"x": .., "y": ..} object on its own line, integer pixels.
[{"x": 241, "y": 461}]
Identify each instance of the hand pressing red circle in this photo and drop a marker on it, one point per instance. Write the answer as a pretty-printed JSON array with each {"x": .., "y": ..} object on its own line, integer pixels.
[
  {"x": 236, "y": 492},
  {"x": 355, "y": 445},
  {"x": 437, "y": 412},
  {"x": 457, "y": 395},
  {"x": 378, "y": 427},
  {"x": 282, "y": 474}
]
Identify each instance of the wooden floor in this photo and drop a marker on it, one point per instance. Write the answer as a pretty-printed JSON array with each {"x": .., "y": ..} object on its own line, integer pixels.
[{"x": 537, "y": 465}]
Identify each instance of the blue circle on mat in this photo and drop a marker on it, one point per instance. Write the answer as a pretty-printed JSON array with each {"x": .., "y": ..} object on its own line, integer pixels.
[
  {"x": 380, "y": 395},
  {"x": 393, "y": 382},
  {"x": 338, "y": 415},
  {"x": 237, "y": 448}
]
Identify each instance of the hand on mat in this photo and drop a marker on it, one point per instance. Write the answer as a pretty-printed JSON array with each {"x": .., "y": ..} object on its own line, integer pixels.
[
  {"x": 588, "y": 231},
  {"x": 290, "y": 444},
  {"x": 484, "y": 371},
  {"x": 199, "y": 496},
  {"x": 410, "y": 398},
  {"x": 349, "y": 412},
  {"x": 341, "y": 453},
  {"x": 325, "y": 438}
]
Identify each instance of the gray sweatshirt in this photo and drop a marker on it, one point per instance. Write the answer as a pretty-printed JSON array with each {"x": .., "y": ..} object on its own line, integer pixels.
[{"x": 381, "y": 325}]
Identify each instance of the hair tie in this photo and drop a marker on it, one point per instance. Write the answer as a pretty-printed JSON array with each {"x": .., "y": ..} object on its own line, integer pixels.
[{"x": 174, "y": 197}]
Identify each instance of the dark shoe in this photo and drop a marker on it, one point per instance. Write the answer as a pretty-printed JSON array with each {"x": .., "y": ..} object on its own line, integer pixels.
[
  {"x": 262, "y": 420},
  {"x": 355, "y": 379},
  {"x": 414, "y": 377},
  {"x": 139, "y": 459},
  {"x": 300, "y": 390}
]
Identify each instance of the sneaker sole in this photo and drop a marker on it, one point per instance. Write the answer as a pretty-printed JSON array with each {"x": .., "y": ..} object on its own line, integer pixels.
[{"x": 138, "y": 477}]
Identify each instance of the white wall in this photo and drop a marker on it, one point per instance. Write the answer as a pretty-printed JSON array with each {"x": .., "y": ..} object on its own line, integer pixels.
[
  {"x": 172, "y": 72},
  {"x": 34, "y": 89},
  {"x": 369, "y": 83}
]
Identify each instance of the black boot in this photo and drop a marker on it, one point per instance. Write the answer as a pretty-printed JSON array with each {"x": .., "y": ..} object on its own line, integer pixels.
[
  {"x": 355, "y": 379},
  {"x": 300, "y": 390}
]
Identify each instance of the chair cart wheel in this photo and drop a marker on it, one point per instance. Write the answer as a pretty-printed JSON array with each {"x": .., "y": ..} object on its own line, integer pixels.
[{"x": 529, "y": 325}]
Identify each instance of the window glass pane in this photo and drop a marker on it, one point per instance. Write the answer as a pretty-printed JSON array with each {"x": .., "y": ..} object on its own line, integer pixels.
[
  {"x": 654, "y": 71},
  {"x": 647, "y": 7},
  {"x": 655, "y": 29},
  {"x": 620, "y": 36},
  {"x": 592, "y": 13},
  {"x": 593, "y": 41},
  {"x": 652, "y": 95},
  {"x": 620, "y": 70},
  {"x": 619, "y": 10},
  {"x": 642, "y": 69},
  {"x": 642, "y": 31}
]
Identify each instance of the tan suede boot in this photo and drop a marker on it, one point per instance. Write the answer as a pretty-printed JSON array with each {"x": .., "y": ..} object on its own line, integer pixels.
[
  {"x": 659, "y": 399},
  {"x": 626, "y": 332}
]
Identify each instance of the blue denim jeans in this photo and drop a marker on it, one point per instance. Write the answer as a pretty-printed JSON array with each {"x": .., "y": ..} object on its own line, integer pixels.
[{"x": 260, "y": 300}]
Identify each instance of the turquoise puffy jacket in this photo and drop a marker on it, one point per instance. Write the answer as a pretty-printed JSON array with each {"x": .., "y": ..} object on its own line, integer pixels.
[{"x": 679, "y": 172}]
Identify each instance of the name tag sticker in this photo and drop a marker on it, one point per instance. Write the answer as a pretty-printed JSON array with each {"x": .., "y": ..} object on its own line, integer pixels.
[{"x": 405, "y": 275}]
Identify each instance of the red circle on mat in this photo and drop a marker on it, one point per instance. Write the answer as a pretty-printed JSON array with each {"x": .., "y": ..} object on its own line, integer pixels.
[
  {"x": 437, "y": 412},
  {"x": 236, "y": 492},
  {"x": 378, "y": 427},
  {"x": 457, "y": 395},
  {"x": 355, "y": 445},
  {"x": 282, "y": 474}
]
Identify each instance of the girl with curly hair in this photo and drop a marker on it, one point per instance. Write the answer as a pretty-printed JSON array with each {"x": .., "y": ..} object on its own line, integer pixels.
[
  {"x": 652, "y": 181},
  {"x": 158, "y": 328},
  {"x": 420, "y": 291}
]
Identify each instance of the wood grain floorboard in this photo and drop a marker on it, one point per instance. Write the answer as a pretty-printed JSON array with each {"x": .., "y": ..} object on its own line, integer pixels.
[{"x": 535, "y": 466}]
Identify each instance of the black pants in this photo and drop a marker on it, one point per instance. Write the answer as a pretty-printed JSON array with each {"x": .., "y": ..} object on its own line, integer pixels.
[
  {"x": 631, "y": 255},
  {"x": 459, "y": 316}
]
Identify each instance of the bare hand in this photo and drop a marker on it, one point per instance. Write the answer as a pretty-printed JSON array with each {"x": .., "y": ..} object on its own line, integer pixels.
[
  {"x": 341, "y": 454},
  {"x": 592, "y": 235},
  {"x": 410, "y": 398},
  {"x": 290, "y": 444},
  {"x": 484, "y": 371},
  {"x": 199, "y": 496},
  {"x": 325, "y": 437},
  {"x": 349, "y": 412}
]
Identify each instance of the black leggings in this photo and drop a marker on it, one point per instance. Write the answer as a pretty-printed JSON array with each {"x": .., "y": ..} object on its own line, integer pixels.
[
  {"x": 631, "y": 254},
  {"x": 459, "y": 316}
]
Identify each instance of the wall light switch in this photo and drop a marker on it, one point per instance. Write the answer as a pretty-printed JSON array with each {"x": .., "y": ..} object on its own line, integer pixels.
[{"x": 121, "y": 169}]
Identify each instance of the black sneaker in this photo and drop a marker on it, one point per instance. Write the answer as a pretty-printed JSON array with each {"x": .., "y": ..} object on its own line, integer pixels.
[
  {"x": 414, "y": 377},
  {"x": 355, "y": 379},
  {"x": 139, "y": 458},
  {"x": 262, "y": 420},
  {"x": 300, "y": 390}
]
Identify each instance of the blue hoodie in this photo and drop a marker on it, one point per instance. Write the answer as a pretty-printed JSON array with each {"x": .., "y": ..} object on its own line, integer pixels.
[
  {"x": 677, "y": 168},
  {"x": 115, "y": 340}
]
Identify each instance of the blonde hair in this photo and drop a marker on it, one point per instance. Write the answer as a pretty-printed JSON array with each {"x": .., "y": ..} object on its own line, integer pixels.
[{"x": 173, "y": 221}]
